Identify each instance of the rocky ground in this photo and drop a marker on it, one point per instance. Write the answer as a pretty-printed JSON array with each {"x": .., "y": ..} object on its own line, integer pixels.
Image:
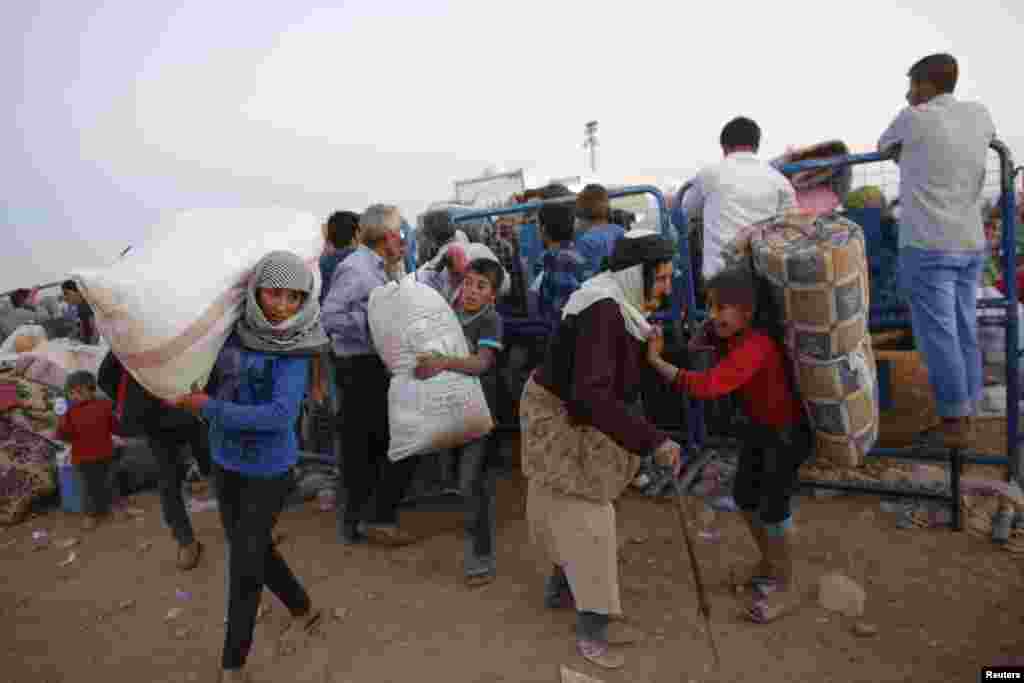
[{"x": 109, "y": 604}]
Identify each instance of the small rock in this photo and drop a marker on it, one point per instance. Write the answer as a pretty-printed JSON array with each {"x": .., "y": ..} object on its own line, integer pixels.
[
  {"x": 340, "y": 613},
  {"x": 840, "y": 593},
  {"x": 865, "y": 630},
  {"x": 68, "y": 560},
  {"x": 181, "y": 633},
  {"x": 23, "y": 601},
  {"x": 822, "y": 620},
  {"x": 639, "y": 539},
  {"x": 126, "y": 604},
  {"x": 134, "y": 512},
  {"x": 372, "y": 596},
  {"x": 933, "y": 643},
  {"x": 145, "y": 546},
  {"x": 67, "y": 543},
  {"x": 173, "y": 613}
]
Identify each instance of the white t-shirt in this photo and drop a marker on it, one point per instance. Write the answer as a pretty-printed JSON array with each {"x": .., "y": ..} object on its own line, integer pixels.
[
  {"x": 737, "y": 192},
  {"x": 942, "y": 172}
]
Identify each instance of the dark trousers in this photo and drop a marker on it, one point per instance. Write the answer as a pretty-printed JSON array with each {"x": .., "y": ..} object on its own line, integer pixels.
[
  {"x": 249, "y": 507},
  {"x": 168, "y": 452},
  {"x": 768, "y": 469},
  {"x": 366, "y": 471},
  {"x": 477, "y": 486},
  {"x": 97, "y": 492}
]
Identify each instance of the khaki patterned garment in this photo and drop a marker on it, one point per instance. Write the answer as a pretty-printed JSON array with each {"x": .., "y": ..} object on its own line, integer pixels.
[
  {"x": 25, "y": 470},
  {"x": 577, "y": 460}
]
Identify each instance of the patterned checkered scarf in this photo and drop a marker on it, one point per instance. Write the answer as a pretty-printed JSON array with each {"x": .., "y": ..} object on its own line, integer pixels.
[{"x": 300, "y": 335}]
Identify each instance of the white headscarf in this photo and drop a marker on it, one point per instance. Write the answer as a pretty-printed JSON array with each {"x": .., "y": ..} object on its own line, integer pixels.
[{"x": 625, "y": 287}]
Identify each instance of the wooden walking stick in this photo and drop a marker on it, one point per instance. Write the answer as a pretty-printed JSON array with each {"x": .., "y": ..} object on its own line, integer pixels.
[{"x": 702, "y": 596}]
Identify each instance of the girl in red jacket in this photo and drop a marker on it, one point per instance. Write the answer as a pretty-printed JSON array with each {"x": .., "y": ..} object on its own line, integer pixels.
[{"x": 775, "y": 443}]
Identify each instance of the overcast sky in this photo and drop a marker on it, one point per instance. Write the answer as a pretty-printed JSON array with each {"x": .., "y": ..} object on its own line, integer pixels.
[{"x": 123, "y": 110}]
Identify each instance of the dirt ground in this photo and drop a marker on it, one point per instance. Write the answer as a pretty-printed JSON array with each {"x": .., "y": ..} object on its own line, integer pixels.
[{"x": 945, "y": 604}]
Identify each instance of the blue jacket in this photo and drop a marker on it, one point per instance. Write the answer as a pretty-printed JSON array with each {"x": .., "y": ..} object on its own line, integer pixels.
[{"x": 254, "y": 433}]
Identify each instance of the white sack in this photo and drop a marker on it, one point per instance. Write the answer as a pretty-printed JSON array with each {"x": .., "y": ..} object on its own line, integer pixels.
[
  {"x": 446, "y": 411},
  {"x": 167, "y": 308}
]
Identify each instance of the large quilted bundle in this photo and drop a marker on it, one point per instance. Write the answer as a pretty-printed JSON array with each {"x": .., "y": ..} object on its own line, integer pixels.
[{"x": 819, "y": 274}]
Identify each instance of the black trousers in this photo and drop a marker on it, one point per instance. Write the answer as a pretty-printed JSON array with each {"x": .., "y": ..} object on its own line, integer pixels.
[
  {"x": 367, "y": 473},
  {"x": 168, "y": 450},
  {"x": 768, "y": 469},
  {"x": 249, "y": 507},
  {"x": 97, "y": 491}
]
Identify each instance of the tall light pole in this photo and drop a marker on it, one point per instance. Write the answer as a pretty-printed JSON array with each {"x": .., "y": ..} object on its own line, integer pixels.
[{"x": 590, "y": 143}]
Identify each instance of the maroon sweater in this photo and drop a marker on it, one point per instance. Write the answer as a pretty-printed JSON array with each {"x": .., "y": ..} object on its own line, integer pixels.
[{"x": 607, "y": 370}]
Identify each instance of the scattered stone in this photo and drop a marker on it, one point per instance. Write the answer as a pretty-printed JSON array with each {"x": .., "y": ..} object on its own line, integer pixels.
[
  {"x": 340, "y": 613},
  {"x": 126, "y": 604},
  {"x": 68, "y": 560},
  {"x": 840, "y": 593},
  {"x": 173, "y": 613},
  {"x": 23, "y": 601},
  {"x": 67, "y": 543},
  {"x": 933, "y": 643},
  {"x": 145, "y": 546},
  {"x": 372, "y": 596},
  {"x": 639, "y": 539},
  {"x": 865, "y": 630},
  {"x": 822, "y": 620},
  {"x": 181, "y": 633}
]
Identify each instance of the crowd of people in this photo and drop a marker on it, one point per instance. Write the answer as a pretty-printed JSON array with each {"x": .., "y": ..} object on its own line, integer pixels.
[{"x": 597, "y": 281}]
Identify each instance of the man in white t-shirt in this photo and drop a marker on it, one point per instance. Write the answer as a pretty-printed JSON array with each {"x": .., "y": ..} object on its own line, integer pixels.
[
  {"x": 942, "y": 144},
  {"x": 736, "y": 192}
]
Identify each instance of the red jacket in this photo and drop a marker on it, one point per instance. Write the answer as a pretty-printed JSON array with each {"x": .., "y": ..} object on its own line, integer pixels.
[
  {"x": 89, "y": 427},
  {"x": 754, "y": 367}
]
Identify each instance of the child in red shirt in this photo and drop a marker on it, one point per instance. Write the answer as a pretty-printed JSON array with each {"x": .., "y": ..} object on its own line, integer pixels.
[
  {"x": 89, "y": 426},
  {"x": 775, "y": 443}
]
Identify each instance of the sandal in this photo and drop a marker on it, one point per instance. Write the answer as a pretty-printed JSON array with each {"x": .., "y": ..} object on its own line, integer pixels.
[
  {"x": 287, "y": 641},
  {"x": 771, "y": 606},
  {"x": 597, "y": 652},
  {"x": 478, "y": 580},
  {"x": 389, "y": 536}
]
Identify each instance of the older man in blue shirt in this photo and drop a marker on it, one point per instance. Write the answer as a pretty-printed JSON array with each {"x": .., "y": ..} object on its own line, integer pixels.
[{"x": 363, "y": 382}]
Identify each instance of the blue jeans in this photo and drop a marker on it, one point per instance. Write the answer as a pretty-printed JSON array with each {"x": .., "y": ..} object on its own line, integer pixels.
[{"x": 942, "y": 288}]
